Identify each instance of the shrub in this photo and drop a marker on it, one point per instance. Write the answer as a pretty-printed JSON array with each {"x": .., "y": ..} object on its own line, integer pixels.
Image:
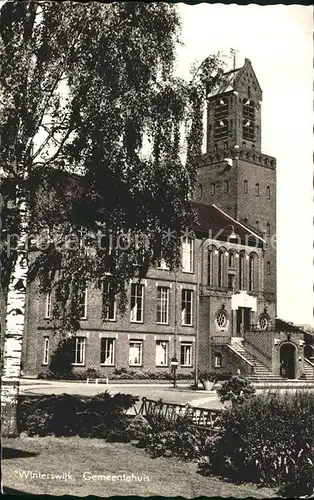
[
  {"x": 174, "y": 438},
  {"x": 118, "y": 374},
  {"x": 267, "y": 439},
  {"x": 139, "y": 428},
  {"x": 207, "y": 375},
  {"x": 99, "y": 416},
  {"x": 237, "y": 389}
]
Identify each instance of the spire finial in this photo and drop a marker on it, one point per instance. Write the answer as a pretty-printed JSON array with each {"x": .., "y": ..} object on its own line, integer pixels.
[{"x": 234, "y": 53}]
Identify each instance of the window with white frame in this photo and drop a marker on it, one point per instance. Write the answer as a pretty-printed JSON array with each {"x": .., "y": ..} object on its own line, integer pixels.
[
  {"x": 187, "y": 307},
  {"x": 107, "y": 351},
  {"x": 48, "y": 305},
  {"x": 187, "y": 255},
  {"x": 137, "y": 302},
  {"x": 109, "y": 303},
  {"x": 162, "y": 348},
  {"x": 83, "y": 304},
  {"x": 218, "y": 360},
  {"x": 79, "y": 350},
  {"x": 135, "y": 352},
  {"x": 186, "y": 354},
  {"x": 46, "y": 351},
  {"x": 163, "y": 304}
]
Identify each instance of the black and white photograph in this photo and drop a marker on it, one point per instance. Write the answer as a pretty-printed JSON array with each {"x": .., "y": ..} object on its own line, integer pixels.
[{"x": 156, "y": 214}]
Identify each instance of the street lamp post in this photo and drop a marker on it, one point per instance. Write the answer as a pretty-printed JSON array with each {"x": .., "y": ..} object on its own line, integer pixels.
[{"x": 174, "y": 365}]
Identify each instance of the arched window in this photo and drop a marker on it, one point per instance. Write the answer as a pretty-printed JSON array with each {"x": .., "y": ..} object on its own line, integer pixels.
[
  {"x": 245, "y": 187},
  {"x": 210, "y": 256},
  {"x": 218, "y": 360},
  {"x": 241, "y": 271},
  {"x": 257, "y": 189},
  {"x": 212, "y": 188},
  {"x": 231, "y": 259},
  {"x": 221, "y": 268},
  {"x": 268, "y": 192},
  {"x": 226, "y": 186},
  {"x": 267, "y": 229},
  {"x": 251, "y": 273}
]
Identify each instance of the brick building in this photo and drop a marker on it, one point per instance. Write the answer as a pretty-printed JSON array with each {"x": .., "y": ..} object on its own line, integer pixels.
[{"x": 221, "y": 306}]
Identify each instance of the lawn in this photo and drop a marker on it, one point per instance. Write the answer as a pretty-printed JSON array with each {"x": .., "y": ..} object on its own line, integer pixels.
[{"x": 76, "y": 460}]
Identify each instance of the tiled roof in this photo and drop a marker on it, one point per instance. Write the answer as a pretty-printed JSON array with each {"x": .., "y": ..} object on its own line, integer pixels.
[
  {"x": 287, "y": 326},
  {"x": 216, "y": 224}
]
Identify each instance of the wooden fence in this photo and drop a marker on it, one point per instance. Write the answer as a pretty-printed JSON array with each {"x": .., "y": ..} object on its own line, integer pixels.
[{"x": 201, "y": 417}]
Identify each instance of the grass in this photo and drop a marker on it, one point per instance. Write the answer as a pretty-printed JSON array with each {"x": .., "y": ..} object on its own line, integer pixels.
[{"x": 51, "y": 455}]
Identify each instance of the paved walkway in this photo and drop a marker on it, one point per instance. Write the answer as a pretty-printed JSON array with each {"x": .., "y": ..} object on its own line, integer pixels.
[{"x": 182, "y": 394}]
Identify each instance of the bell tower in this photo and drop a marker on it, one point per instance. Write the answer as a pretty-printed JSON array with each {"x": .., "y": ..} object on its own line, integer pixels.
[{"x": 235, "y": 175}]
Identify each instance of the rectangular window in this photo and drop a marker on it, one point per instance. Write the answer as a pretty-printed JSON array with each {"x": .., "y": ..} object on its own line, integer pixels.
[
  {"x": 137, "y": 302},
  {"x": 162, "y": 353},
  {"x": 110, "y": 303},
  {"x": 83, "y": 304},
  {"x": 135, "y": 352},
  {"x": 163, "y": 304},
  {"x": 79, "y": 351},
  {"x": 46, "y": 351},
  {"x": 107, "y": 351},
  {"x": 218, "y": 360},
  {"x": 187, "y": 255},
  {"x": 212, "y": 189},
  {"x": 231, "y": 280},
  {"x": 48, "y": 305},
  {"x": 187, "y": 307},
  {"x": 268, "y": 267},
  {"x": 186, "y": 353}
]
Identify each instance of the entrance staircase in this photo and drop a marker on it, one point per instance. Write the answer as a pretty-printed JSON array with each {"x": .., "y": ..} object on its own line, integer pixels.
[
  {"x": 262, "y": 374},
  {"x": 308, "y": 369}
]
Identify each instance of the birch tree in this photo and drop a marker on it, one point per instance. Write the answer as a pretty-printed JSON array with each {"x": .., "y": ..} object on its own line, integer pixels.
[{"x": 83, "y": 87}]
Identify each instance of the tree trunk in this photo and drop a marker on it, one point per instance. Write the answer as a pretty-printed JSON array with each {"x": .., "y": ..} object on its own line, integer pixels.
[{"x": 13, "y": 335}]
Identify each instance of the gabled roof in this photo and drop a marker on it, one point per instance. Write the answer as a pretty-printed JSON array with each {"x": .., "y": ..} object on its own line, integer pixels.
[
  {"x": 227, "y": 82},
  {"x": 216, "y": 224}
]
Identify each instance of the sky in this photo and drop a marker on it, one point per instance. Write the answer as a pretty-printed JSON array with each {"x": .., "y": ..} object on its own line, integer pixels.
[{"x": 278, "y": 41}]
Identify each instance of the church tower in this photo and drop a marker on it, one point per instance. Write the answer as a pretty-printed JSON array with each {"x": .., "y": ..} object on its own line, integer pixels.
[{"x": 235, "y": 175}]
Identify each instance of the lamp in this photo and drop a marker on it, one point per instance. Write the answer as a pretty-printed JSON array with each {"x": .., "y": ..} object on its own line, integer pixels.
[{"x": 233, "y": 235}]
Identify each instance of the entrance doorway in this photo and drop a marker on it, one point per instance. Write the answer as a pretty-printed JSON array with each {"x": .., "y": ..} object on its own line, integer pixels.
[
  {"x": 243, "y": 320},
  {"x": 287, "y": 361}
]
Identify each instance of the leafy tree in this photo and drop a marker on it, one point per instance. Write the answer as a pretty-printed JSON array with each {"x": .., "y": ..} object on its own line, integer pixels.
[{"x": 84, "y": 88}]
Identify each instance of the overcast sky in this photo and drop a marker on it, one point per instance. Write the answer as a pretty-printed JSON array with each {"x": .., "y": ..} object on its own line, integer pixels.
[{"x": 278, "y": 41}]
